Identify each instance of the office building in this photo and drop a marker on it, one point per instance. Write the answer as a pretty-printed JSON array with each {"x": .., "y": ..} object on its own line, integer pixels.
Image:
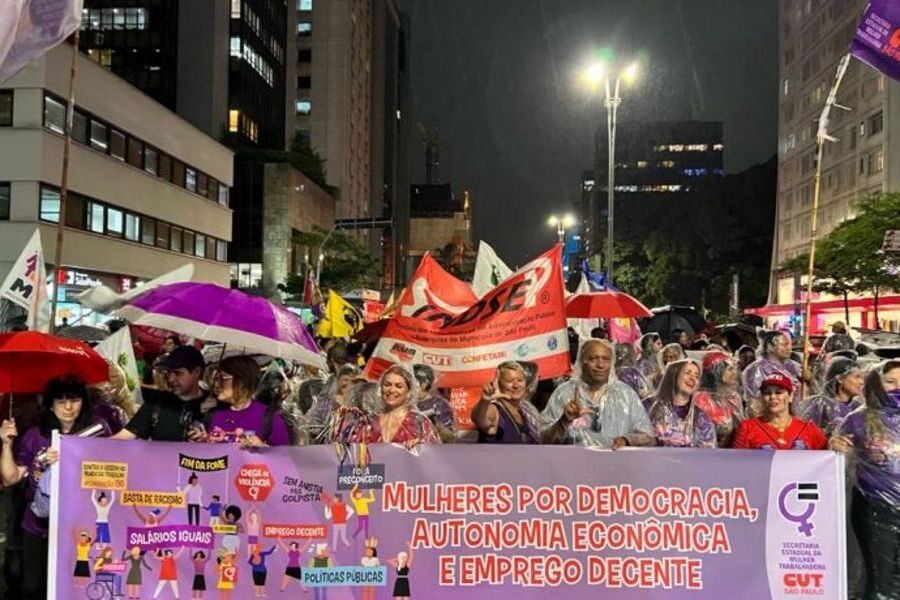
[
  {"x": 653, "y": 161},
  {"x": 441, "y": 224},
  {"x": 148, "y": 191},
  {"x": 865, "y": 159}
]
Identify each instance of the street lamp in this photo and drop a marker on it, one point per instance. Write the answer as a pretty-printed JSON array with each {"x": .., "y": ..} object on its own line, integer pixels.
[
  {"x": 594, "y": 74},
  {"x": 561, "y": 224}
]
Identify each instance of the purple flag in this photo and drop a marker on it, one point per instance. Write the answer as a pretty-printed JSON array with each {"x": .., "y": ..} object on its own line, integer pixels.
[
  {"x": 877, "y": 39},
  {"x": 28, "y": 28}
]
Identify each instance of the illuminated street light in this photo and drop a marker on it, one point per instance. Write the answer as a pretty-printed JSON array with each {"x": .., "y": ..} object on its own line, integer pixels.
[
  {"x": 567, "y": 221},
  {"x": 594, "y": 73}
]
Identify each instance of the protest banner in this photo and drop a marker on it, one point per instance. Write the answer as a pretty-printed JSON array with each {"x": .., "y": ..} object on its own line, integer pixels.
[
  {"x": 877, "y": 39},
  {"x": 440, "y": 323},
  {"x": 456, "y": 521}
]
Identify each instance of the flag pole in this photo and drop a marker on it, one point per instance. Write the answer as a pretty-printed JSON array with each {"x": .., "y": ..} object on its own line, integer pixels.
[
  {"x": 821, "y": 137},
  {"x": 64, "y": 180}
]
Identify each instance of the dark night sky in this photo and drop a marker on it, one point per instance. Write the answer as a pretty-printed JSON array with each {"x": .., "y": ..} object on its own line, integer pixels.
[{"x": 498, "y": 78}]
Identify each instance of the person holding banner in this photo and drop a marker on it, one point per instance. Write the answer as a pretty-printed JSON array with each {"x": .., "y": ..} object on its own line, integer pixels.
[
  {"x": 774, "y": 358},
  {"x": 676, "y": 420},
  {"x": 593, "y": 408},
  {"x": 872, "y": 435},
  {"x": 840, "y": 396},
  {"x": 66, "y": 406},
  {"x": 718, "y": 396},
  {"x": 242, "y": 418},
  {"x": 397, "y": 422},
  {"x": 777, "y": 428},
  {"x": 504, "y": 415}
]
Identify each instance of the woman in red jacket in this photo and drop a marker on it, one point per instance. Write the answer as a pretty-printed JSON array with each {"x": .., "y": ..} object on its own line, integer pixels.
[{"x": 777, "y": 428}]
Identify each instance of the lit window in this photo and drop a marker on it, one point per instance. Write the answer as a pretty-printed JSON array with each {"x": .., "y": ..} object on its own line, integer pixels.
[
  {"x": 786, "y": 86},
  {"x": 304, "y": 5},
  {"x": 114, "y": 222},
  {"x": 223, "y": 194},
  {"x": 95, "y": 217},
  {"x": 233, "y": 118},
  {"x": 54, "y": 115},
  {"x": 200, "y": 245},
  {"x": 642, "y": 164},
  {"x": 190, "y": 179},
  {"x": 98, "y": 136},
  {"x": 132, "y": 227},
  {"x": 221, "y": 251},
  {"x": 235, "y": 9},
  {"x": 236, "y": 46},
  {"x": 304, "y": 107},
  {"x": 150, "y": 161},
  {"x": 304, "y": 28},
  {"x": 668, "y": 164},
  {"x": 49, "y": 205}
]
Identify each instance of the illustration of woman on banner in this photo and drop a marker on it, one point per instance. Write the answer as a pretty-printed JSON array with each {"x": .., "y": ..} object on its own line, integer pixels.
[
  {"x": 228, "y": 575},
  {"x": 193, "y": 493},
  {"x": 258, "y": 568},
  {"x": 153, "y": 518},
  {"x": 199, "y": 560},
  {"x": 361, "y": 504},
  {"x": 231, "y": 541},
  {"x": 134, "y": 579},
  {"x": 107, "y": 571},
  {"x": 82, "y": 570},
  {"x": 370, "y": 560},
  {"x": 320, "y": 560},
  {"x": 168, "y": 570},
  {"x": 293, "y": 569},
  {"x": 403, "y": 563},
  {"x": 102, "y": 504},
  {"x": 254, "y": 521}
]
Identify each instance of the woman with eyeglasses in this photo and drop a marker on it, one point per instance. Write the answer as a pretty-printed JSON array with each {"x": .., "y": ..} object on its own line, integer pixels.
[
  {"x": 240, "y": 417},
  {"x": 66, "y": 406}
]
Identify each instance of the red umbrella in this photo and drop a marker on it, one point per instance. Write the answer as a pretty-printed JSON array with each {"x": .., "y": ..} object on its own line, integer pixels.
[
  {"x": 605, "y": 305},
  {"x": 29, "y": 360}
]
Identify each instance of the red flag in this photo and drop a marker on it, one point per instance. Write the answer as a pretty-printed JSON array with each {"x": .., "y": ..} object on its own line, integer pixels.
[{"x": 442, "y": 324}]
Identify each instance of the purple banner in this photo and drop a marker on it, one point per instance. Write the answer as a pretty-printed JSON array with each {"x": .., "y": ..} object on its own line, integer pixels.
[
  {"x": 462, "y": 521},
  {"x": 169, "y": 536},
  {"x": 877, "y": 39}
]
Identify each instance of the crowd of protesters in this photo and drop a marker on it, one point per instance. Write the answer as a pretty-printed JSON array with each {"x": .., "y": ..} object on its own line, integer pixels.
[{"x": 643, "y": 395}]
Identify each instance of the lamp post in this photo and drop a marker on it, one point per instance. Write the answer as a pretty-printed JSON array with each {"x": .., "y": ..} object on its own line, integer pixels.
[
  {"x": 595, "y": 73},
  {"x": 562, "y": 224}
]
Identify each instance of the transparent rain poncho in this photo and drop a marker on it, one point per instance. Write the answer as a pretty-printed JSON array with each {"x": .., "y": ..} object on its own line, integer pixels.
[
  {"x": 648, "y": 363},
  {"x": 768, "y": 364},
  {"x": 679, "y": 426},
  {"x": 617, "y": 410},
  {"x": 829, "y": 408},
  {"x": 433, "y": 405},
  {"x": 351, "y": 424},
  {"x": 718, "y": 396},
  {"x": 628, "y": 373},
  {"x": 873, "y": 432},
  {"x": 326, "y": 403}
]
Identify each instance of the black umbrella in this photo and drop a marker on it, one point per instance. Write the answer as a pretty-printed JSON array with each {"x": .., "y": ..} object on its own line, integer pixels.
[{"x": 667, "y": 319}]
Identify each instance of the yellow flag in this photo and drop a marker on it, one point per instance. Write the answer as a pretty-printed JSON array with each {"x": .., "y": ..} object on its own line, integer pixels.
[{"x": 341, "y": 318}]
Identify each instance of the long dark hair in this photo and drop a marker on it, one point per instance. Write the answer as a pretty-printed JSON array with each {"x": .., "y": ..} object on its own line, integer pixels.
[
  {"x": 876, "y": 397},
  {"x": 67, "y": 386}
]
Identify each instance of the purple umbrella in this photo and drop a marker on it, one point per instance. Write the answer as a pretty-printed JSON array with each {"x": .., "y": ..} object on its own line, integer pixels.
[{"x": 213, "y": 313}]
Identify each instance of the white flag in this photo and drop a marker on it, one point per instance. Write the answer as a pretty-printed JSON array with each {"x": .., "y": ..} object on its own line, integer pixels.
[
  {"x": 103, "y": 299},
  {"x": 26, "y": 284},
  {"x": 583, "y": 327},
  {"x": 490, "y": 270},
  {"x": 118, "y": 349},
  {"x": 28, "y": 28}
]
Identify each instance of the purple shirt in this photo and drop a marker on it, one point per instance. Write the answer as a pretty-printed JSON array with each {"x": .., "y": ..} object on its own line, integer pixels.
[
  {"x": 26, "y": 450},
  {"x": 227, "y": 424},
  {"x": 878, "y": 460},
  {"x": 681, "y": 426}
]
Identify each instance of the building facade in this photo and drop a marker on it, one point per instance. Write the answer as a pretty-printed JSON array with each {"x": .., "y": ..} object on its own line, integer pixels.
[
  {"x": 653, "y": 161},
  {"x": 865, "y": 159},
  {"x": 148, "y": 191}
]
